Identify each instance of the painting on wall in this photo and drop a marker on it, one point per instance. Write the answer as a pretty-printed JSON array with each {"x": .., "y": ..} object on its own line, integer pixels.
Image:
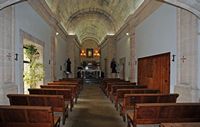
[{"x": 89, "y": 52}]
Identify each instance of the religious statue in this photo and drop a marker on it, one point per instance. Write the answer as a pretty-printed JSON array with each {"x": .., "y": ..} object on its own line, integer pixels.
[
  {"x": 113, "y": 66},
  {"x": 69, "y": 66}
]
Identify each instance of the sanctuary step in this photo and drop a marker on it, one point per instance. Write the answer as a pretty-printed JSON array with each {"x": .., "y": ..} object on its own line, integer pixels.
[{"x": 92, "y": 81}]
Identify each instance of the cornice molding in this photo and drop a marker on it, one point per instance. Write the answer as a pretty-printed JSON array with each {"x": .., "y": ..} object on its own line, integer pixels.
[
  {"x": 9, "y": 3},
  {"x": 182, "y": 4}
]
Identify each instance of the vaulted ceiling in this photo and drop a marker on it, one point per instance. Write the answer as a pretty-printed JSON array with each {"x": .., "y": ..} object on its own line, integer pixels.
[{"x": 92, "y": 19}]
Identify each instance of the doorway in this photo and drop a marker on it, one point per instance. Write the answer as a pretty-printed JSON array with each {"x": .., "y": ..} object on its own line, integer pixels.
[{"x": 27, "y": 63}]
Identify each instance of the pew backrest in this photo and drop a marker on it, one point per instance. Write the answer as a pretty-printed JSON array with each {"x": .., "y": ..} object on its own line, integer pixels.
[
  {"x": 26, "y": 116},
  {"x": 67, "y": 93},
  {"x": 55, "y": 101},
  {"x": 156, "y": 113},
  {"x": 72, "y": 87},
  {"x": 133, "y": 99}
]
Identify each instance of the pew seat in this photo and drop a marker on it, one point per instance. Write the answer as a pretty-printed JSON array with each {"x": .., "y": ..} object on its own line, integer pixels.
[
  {"x": 72, "y": 87},
  {"x": 130, "y": 100},
  {"x": 67, "y": 94},
  {"x": 121, "y": 92},
  {"x": 114, "y": 89},
  {"x": 27, "y": 116},
  {"x": 157, "y": 113},
  {"x": 189, "y": 124},
  {"x": 55, "y": 101}
]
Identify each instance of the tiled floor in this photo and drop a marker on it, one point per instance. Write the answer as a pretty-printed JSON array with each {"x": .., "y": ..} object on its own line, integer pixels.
[{"x": 94, "y": 109}]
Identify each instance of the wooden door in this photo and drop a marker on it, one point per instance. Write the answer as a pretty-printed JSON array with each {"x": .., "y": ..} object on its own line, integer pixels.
[{"x": 154, "y": 71}]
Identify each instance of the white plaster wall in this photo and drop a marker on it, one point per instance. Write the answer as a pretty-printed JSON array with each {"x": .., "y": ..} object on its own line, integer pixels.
[
  {"x": 123, "y": 50},
  {"x": 29, "y": 21},
  {"x": 157, "y": 34},
  {"x": 61, "y": 57}
]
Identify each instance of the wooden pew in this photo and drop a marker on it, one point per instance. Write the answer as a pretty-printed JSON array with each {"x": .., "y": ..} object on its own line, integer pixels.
[
  {"x": 72, "y": 87},
  {"x": 114, "y": 89},
  {"x": 103, "y": 86},
  {"x": 109, "y": 86},
  {"x": 55, "y": 101},
  {"x": 130, "y": 100},
  {"x": 79, "y": 87},
  {"x": 121, "y": 92},
  {"x": 67, "y": 94},
  {"x": 156, "y": 113},
  {"x": 27, "y": 116},
  {"x": 189, "y": 124}
]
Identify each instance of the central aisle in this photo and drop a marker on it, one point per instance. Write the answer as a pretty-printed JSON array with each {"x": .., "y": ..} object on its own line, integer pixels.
[{"x": 94, "y": 109}]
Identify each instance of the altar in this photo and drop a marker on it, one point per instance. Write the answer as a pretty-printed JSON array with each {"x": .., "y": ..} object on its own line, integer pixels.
[
  {"x": 86, "y": 74},
  {"x": 91, "y": 73}
]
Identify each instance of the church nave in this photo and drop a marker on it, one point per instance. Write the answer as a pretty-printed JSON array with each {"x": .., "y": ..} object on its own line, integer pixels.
[{"x": 94, "y": 109}]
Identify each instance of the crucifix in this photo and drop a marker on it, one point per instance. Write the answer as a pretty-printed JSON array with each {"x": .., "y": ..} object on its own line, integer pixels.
[
  {"x": 183, "y": 59},
  {"x": 9, "y": 56}
]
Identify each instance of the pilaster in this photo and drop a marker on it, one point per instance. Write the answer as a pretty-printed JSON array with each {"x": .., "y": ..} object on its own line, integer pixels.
[
  {"x": 7, "y": 54},
  {"x": 187, "y": 56}
]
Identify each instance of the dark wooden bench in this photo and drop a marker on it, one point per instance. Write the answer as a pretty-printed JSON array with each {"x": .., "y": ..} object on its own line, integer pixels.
[
  {"x": 130, "y": 100},
  {"x": 156, "y": 113},
  {"x": 121, "y": 92},
  {"x": 109, "y": 86},
  {"x": 114, "y": 89},
  {"x": 72, "y": 87},
  {"x": 55, "y": 101},
  {"x": 79, "y": 87},
  {"x": 106, "y": 82},
  {"x": 189, "y": 124},
  {"x": 27, "y": 116},
  {"x": 67, "y": 94}
]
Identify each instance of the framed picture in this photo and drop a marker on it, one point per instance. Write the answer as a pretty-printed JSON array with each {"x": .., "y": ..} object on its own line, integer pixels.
[{"x": 89, "y": 52}]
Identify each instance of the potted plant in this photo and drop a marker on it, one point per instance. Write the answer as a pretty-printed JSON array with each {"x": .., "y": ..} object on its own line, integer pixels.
[{"x": 34, "y": 72}]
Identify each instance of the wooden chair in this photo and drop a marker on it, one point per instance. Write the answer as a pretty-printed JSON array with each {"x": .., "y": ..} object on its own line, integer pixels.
[
  {"x": 55, "y": 101},
  {"x": 27, "y": 116}
]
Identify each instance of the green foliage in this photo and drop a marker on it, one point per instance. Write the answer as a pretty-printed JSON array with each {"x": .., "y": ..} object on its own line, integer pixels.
[{"x": 34, "y": 73}]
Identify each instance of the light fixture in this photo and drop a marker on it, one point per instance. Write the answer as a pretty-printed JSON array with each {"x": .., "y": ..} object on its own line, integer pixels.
[
  {"x": 57, "y": 33},
  {"x": 96, "y": 53},
  {"x": 83, "y": 53},
  {"x": 127, "y": 33}
]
